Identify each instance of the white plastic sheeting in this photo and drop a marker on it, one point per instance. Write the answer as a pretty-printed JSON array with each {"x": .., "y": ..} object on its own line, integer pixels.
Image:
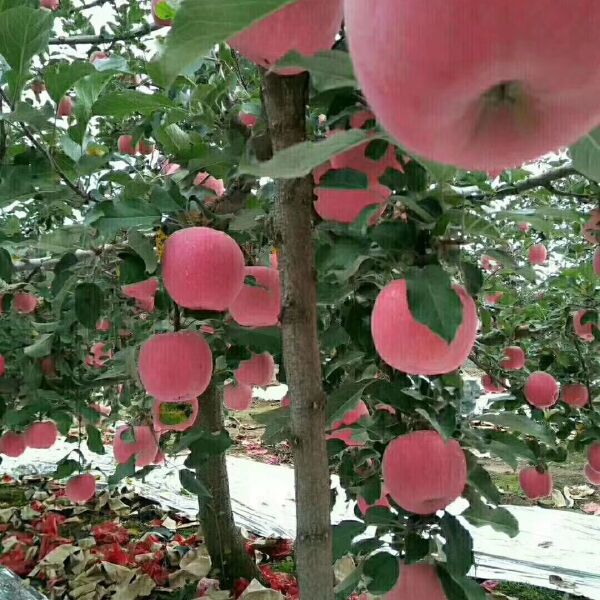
[{"x": 554, "y": 549}]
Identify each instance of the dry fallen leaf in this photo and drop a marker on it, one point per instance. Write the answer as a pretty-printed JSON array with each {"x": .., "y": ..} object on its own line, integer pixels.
[
  {"x": 141, "y": 586},
  {"x": 256, "y": 591},
  {"x": 197, "y": 562}
]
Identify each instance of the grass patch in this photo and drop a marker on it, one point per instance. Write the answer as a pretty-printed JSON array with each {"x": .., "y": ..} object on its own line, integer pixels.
[{"x": 523, "y": 591}]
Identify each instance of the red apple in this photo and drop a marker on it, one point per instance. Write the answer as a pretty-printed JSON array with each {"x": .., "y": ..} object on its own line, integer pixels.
[
  {"x": 237, "y": 396},
  {"x": 144, "y": 448},
  {"x": 175, "y": 366},
  {"x": 593, "y": 456},
  {"x": 506, "y": 93},
  {"x": 353, "y": 416},
  {"x": 208, "y": 182},
  {"x": 248, "y": 120},
  {"x": 125, "y": 145},
  {"x": 514, "y": 358},
  {"x": 541, "y": 390},
  {"x": 25, "y": 303},
  {"x": 50, "y": 4},
  {"x": 65, "y": 107},
  {"x": 258, "y": 370},
  {"x": 576, "y": 395},
  {"x": 81, "y": 488},
  {"x": 2, "y": 366},
  {"x": 423, "y": 472},
  {"x": 12, "y": 444},
  {"x": 583, "y": 330},
  {"x": 41, "y": 435},
  {"x": 535, "y": 484},
  {"x": 143, "y": 293},
  {"x": 98, "y": 55},
  {"x": 538, "y": 254},
  {"x": 160, "y": 426},
  {"x": 592, "y": 475},
  {"x": 104, "y": 325},
  {"x": 146, "y": 147},
  {"x": 258, "y": 305},
  {"x": 491, "y": 386},
  {"x": 417, "y": 582},
  {"x": 306, "y": 26},
  {"x": 409, "y": 346},
  {"x": 203, "y": 269}
]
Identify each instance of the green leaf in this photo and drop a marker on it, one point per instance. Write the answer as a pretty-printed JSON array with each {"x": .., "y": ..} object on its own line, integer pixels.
[
  {"x": 520, "y": 423},
  {"x": 276, "y": 423},
  {"x": 201, "y": 24},
  {"x": 345, "y": 179},
  {"x": 192, "y": 484},
  {"x": 94, "y": 440},
  {"x": 299, "y": 160},
  {"x": 329, "y": 70},
  {"x": 458, "y": 547},
  {"x": 416, "y": 547},
  {"x": 343, "y": 534},
  {"x": 24, "y": 32},
  {"x": 41, "y": 347},
  {"x": 203, "y": 443},
  {"x": 66, "y": 468},
  {"x": 262, "y": 339},
  {"x": 433, "y": 302},
  {"x": 479, "y": 514},
  {"x": 474, "y": 224},
  {"x": 344, "y": 399},
  {"x": 112, "y": 217},
  {"x": 480, "y": 479},
  {"x": 509, "y": 448},
  {"x": 142, "y": 246},
  {"x": 586, "y": 155},
  {"x": 89, "y": 303},
  {"x": 122, "y": 471},
  {"x": 128, "y": 102},
  {"x": 458, "y": 587},
  {"x": 381, "y": 571},
  {"x": 7, "y": 269},
  {"x": 394, "y": 236},
  {"x": 246, "y": 219},
  {"x": 61, "y": 77},
  {"x": 473, "y": 277}
]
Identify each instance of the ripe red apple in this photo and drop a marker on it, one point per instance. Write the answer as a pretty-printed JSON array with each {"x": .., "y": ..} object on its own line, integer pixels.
[
  {"x": 48, "y": 366},
  {"x": 104, "y": 325},
  {"x": 346, "y": 435},
  {"x": 494, "y": 298},
  {"x": 345, "y": 206},
  {"x": 25, "y": 303},
  {"x": 98, "y": 356},
  {"x": 143, "y": 293},
  {"x": 306, "y": 26},
  {"x": 541, "y": 390},
  {"x": 247, "y": 119},
  {"x": 514, "y": 358},
  {"x": 237, "y": 396},
  {"x": 157, "y": 20},
  {"x": 2, "y": 366},
  {"x": 286, "y": 401},
  {"x": 524, "y": 227},
  {"x": 417, "y": 582},
  {"x": 593, "y": 456},
  {"x": 423, "y": 472},
  {"x": 412, "y": 347},
  {"x": 146, "y": 147},
  {"x": 535, "y": 484},
  {"x": 145, "y": 446},
  {"x": 512, "y": 99},
  {"x": 208, "y": 182},
  {"x": 258, "y": 305},
  {"x": 258, "y": 370},
  {"x": 575, "y": 394},
  {"x": 364, "y": 506},
  {"x": 81, "y": 488},
  {"x": 65, "y": 107},
  {"x": 41, "y": 435},
  {"x": 597, "y": 262},
  {"x": 160, "y": 426},
  {"x": 583, "y": 330},
  {"x": 203, "y": 268},
  {"x": 591, "y": 475},
  {"x": 491, "y": 386},
  {"x": 538, "y": 254},
  {"x": 488, "y": 264},
  {"x": 101, "y": 409},
  {"x": 125, "y": 145},
  {"x": 169, "y": 168},
  {"x": 353, "y": 416},
  {"x": 175, "y": 366},
  {"x": 12, "y": 444},
  {"x": 50, "y": 4}
]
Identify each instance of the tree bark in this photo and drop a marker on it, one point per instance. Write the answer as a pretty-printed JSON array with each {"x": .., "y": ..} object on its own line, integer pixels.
[
  {"x": 224, "y": 541},
  {"x": 285, "y": 101}
]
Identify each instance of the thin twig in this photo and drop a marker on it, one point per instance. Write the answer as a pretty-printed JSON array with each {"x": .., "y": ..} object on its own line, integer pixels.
[{"x": 103, "y": 39}]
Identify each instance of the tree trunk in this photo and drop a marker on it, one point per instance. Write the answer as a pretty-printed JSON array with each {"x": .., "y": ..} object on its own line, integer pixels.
[
  {"x": 285, "y": 102},
  {"x": 223, "y": 539}
]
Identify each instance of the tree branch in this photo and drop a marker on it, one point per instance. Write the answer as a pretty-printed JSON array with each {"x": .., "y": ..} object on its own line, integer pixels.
[
  {"x": 29, "y": 134},
  {"x": 103, "y": 39},
  {"x": 543, "y": 180},
  {"x": 76, "y": 9}
]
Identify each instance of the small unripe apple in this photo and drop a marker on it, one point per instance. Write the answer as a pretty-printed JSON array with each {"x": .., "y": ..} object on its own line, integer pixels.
[
  {"x": 143, "y": 293},
  {"x": 25, "y": 303},
  {"x": 583, "y": 330},
  {"x": 491, "y": 386}
]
